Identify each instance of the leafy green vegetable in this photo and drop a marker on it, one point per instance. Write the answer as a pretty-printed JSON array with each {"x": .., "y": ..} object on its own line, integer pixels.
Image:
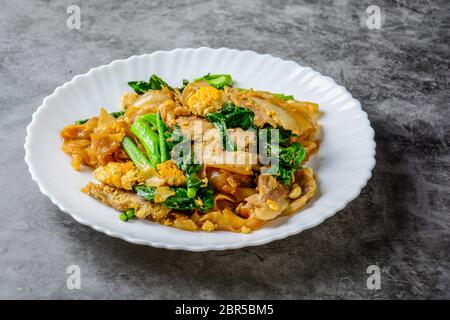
[
  {"x": 292, "y": 156},
  {"x": 135, "y": 154},
  {"x": 180, "y": 201},
  {"x": 162, "y": 129},
  {"x": 148, "y": 193},
  {"x": 184, "y": 159},
  {"x": 154, "y": 83},
  {"x": 186, "y": 162},
  {"x": 230, "y": 116},
  {"x": 283, "y": 134},
  {"x": 173, "y": 137},
  {"x": 155, "y": 136},
  {"x": 127, "y": 215},
  {"x": 157, "y": 83},
  {"x": 283, "y": 96},
  {"x": 206, "y": 195},
  {"x": 218, "y": 81},
  {"x": 81, "y": 121},
  {"x": 149, "y": 139},
  {"x": 151, "y": 118},
  {"x": 204, "y": 200},
  {"x": 185, "y": 83},
  {"x": 115, "y": 114},
  {"x": 158, "y": 145},
  {"x": 290, "y": 159},
  {"x": 285, "y": 158},
  {"x": 157, "y": 124},
  {"x": 193, "y": 183},
  {"x": 227, "y": 143},
  {"x": 140, "y": 87},
  {"x": 233, "y": 116}
]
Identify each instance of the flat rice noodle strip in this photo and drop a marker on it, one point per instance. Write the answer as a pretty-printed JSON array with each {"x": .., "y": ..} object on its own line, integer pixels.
[
  {"x": 305, "y": 179},
  {"x": 226, "y": 181},
  {"x": 96, "y": 142},
  {"x": 244, "y": 170},
  {"x": 227, "y": 220},
  {"x": 243, "y": 192},
  {"x": 222, "y": 201},
  {"x": 301, "y": 116}
]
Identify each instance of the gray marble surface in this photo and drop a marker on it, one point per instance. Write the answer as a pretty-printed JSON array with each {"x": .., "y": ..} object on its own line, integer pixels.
[{"x": 401, "y": 221}]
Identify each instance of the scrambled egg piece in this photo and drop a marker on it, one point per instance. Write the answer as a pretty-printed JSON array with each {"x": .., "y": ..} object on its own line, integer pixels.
[
  {"x": 208, "y": 226},
  {"x": 183, "y": 222},
  {"x": 205, "y": 100},
  {"x": 123, "y": 200},
  {"x": 171, "y": 174},
  {"x": 118, "y": 174},
  {"x": 227, "y": 220},
  {"x": 244, "y": 229}
]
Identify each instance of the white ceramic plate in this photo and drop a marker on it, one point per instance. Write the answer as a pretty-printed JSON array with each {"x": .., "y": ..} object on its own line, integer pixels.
[{"x": 343, "y": 164}]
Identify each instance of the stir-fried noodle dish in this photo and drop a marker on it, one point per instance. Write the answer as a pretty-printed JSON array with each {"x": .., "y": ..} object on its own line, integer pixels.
[{"x": 201, "y": 157}]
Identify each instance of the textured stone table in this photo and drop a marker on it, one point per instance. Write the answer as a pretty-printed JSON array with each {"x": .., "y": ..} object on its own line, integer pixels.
[{"x": 400, "y": 222}]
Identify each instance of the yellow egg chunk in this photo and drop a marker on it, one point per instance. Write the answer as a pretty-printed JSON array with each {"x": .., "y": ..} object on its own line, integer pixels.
[
  {"x": 118, "y": 174},
  {"x": 205, "y": 100},
  {"x": 172, "y": 175}
]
